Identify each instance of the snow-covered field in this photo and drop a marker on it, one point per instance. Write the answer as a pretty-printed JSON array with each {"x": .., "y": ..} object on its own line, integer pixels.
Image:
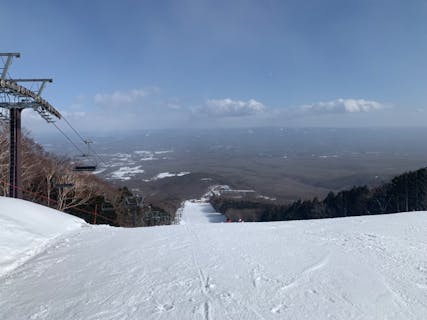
[
  {"x": 163, "y": 175},
  {"x": 372, "y": 267},
  {"x": 127, "y": 166},
  {"x": 125, "y": 173}
]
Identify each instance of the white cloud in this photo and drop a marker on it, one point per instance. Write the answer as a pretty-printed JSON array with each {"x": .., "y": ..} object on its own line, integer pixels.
[
  {"x": 342, "y": 106},
  {"x": 231, "y": 108},
  {"x": 121, "y": 98},
  {"x": 150, "y": 108}
]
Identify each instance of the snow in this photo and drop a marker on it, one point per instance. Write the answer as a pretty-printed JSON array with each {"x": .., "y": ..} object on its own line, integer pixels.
[
  {"x": 121, "y": 156},
  {"x": 125, "y": 173},
  {"x": 148, "y": 152},
  {"x": 163, "y": 175},
  {"x": 329, "y": 156},
  {"x": 150, "y": 155},
  {"x": 99, "y": 171},
  {"x": 26, "y": 228},
  {"x": 163, "y": 151},
  {"x": 143, "y": 152},
  {"x": 266, "y": 197},
  {"x": 150, "y": 158},
  {"x": 371, "y": 267},
  {"x": 196, "y": 212}
]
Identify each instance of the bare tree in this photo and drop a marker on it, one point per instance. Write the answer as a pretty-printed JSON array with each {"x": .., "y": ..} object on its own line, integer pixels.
[{"x": 50, "y": 180}]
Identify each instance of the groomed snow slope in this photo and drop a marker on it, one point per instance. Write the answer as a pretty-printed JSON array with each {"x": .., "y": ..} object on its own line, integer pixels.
[
  {"x": 197, "y": 212},
  {"x": 372, "y": 267}
]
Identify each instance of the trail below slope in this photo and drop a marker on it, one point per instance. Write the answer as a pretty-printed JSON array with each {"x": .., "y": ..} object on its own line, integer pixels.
[{"x": 199, "y": 212}]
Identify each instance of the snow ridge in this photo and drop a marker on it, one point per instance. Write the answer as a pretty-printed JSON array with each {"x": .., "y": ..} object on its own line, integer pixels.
[{"x": 26, "y": 229}]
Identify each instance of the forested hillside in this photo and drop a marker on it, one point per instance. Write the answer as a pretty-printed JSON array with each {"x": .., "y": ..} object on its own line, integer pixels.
[
  {"x": 51, "y": 181},
  {"x": 406, "y": 192}
]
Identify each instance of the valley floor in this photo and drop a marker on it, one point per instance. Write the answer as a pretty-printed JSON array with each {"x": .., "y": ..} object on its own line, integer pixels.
[{"x": 371, "y": 267}]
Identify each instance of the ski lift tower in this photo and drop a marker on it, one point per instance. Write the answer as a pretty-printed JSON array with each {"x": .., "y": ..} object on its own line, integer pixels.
[{"x": 13, "y": 99}]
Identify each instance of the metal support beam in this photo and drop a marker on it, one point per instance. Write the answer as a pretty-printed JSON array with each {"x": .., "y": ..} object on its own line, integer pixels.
[
  {"x": 50, "y": 80},
  {"x": 15, "y": 187},
  {"x": 42, "y": 88},
  {"x": 6, "y": 67},
  {"x": 13, "y": 54},
  {"x": 42, "y": 85},
  {"x": 9, "y": 56}
]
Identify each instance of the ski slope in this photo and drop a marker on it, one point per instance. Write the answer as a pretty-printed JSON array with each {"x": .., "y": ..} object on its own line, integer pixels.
[
  {"x": 372, "y": 267},
  {"x": 199, "y": 212}
]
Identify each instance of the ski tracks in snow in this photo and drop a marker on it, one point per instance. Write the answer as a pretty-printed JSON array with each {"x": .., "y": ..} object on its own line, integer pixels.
[
  {"x": 204, "y": 281},
  {"x": 281, "y": 286},
  {"x": 217, "y": 304}
]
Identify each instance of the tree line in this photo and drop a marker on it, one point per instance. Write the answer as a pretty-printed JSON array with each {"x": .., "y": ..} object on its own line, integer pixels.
[{"x": 406, "y": 192}]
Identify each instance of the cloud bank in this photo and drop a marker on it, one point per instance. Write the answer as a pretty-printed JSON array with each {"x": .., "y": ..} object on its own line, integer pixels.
[
  {"x": 342, "y": 106},
  {"x": 231, "y": 108},
  {"x": 149, "y": 108}
]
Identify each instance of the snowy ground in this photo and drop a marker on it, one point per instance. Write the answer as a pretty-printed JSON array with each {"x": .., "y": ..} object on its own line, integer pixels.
[
  {"x": 163, "y": 175},
  {"x": 126, "y": 173},
  {"x": 371, "y": 267},
  {"x": 26, "y": 229}
]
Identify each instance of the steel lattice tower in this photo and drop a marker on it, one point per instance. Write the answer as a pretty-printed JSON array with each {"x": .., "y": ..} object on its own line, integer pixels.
[{"x": 13, "y": 99}]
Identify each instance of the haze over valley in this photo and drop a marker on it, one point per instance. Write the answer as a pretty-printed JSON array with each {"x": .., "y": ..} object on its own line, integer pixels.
[{"x": 284, "y": 164}]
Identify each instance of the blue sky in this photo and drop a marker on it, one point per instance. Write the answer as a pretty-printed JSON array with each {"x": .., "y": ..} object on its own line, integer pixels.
[{"x": 153, "y": 64}]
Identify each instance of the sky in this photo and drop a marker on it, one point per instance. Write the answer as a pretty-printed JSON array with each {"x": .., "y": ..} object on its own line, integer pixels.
[{"x": 120, "y": 65}]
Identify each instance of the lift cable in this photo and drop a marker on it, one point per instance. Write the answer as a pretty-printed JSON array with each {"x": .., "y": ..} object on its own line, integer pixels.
[
  {"x": 97, "y": 155},
  {"x": 68, "y": 138},
  {"x": 72, "y": 128},
  {"x": 84, "y": 140}
]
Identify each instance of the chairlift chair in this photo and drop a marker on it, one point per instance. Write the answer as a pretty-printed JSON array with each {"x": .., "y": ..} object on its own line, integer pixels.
[
  {"x": 131, "y": 202},
  {"x": 107, "y": 207},
  {"x": 85, "y": 162}
]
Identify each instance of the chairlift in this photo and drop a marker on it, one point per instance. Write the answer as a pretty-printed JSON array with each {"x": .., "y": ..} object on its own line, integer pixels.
[
  {"x": 85, "y": 162},
  {"x": 131, "y": 202},
  {"x": 107, "y": 207}
]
